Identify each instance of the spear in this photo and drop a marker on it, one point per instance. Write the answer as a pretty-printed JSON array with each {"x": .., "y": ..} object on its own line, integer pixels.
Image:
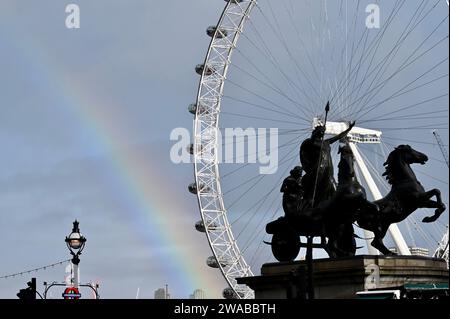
[
  {"x": 309, "y": 249},
  {"x": 327, "y": 110}
]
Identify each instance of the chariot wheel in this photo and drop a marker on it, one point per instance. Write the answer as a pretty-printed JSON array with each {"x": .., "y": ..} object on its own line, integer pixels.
[{"x": 285, "y": 246}]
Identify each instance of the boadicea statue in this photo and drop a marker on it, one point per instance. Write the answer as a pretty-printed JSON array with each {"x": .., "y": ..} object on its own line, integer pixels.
[{"x": 315, "y": 207}]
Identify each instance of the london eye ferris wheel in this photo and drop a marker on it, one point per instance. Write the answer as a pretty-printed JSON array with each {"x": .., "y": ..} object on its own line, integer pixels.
[{"x": 383, "y": 64}]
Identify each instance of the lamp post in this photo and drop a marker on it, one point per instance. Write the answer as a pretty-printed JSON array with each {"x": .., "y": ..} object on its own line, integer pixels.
[{"x": 75, "y": 242}]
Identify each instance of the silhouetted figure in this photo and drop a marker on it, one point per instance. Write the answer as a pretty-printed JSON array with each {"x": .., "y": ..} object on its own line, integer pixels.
[
  {"x": 292, "y": 192},
  {"x": 315, "y": 156}
]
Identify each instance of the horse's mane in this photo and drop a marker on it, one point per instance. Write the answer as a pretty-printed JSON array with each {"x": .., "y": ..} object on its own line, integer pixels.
[{"x": 389, "y": 173}]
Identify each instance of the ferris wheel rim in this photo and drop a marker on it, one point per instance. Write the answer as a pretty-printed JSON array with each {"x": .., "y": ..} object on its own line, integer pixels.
[{"x": 239, "y": 267}]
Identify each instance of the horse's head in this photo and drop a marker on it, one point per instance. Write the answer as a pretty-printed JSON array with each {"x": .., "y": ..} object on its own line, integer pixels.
[
  {"x": 345, "y": 151},
  {"x": 346, "y": 164},
  {"x": 318, "y": 132},
  {"x": 410, "y": 155},
  {"x": 397, "y": 164}
]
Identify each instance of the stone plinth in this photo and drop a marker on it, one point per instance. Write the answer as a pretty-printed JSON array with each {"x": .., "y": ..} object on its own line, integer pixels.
[{"x": 343, "y": 278}]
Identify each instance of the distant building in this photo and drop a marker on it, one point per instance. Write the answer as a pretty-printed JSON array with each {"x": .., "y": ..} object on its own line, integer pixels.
[
  {"x": 162, "y": 293},
  {"x": 415, "y": 251},
  {"x": 198, "y": 294}
]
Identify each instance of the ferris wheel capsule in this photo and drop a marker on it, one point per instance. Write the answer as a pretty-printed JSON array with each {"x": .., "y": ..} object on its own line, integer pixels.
[
  {"x": 230, "y": 294},
  {"x": 190, "y": 148},
  {"x": 194, "y": 107},
  {"x": 219, "y": 34},
  {"x": 193, "y": 188},
  {"x": 214, "y": 263},
  {"x": 200, "y": 226},
  {"x": 200, "y": 69}
]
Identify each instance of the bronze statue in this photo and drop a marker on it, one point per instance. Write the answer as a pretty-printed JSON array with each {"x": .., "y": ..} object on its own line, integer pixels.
[
  {"x": 336, "y": 211},
  {"x": 332, "y": 218}
]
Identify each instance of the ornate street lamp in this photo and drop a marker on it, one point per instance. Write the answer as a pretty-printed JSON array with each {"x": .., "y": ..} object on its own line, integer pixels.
[{"x": 75, "y": 242}]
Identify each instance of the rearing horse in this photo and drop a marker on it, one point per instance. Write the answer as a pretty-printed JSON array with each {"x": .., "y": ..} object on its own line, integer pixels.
[{"x": 406, "y": 196}]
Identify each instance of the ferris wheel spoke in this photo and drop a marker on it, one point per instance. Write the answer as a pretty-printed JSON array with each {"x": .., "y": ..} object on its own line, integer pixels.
[
  {"x": 412, "y": 106},
  {"x": 267, "y": 82},
  {"x": 370, "y": 52},
  {"x": 427, "y": 236},
  {"x": 409, "y": 227},
  {"x": 381, "y": 85},
  {"x": 390, "y": 57},
  {"x": 345, "y": 50},
  {"x": 418, "y": 128},
  {"x": 384, "y": 61},
  {"x": 370, "y": 109},
  {"x": 372, "y": 91},
  {"x": 409, "y": 116},
  {"x": 420, "y": 46},
  {"x": 445, "y": 183},
  {"x": 290, "y": 12},
  {"x": 265, "y": 99},
  {"x": 382, "y": 65},
  {"x": 259, "y": 251},
  {"x": 258, "y": 204},
  {"x": 261, "y": 107},
  {"x": 409, "y": 141},
  {"x": 253, "y": 204},
  {"x": 300, "y": 73},
  {"x": 401, "y": 92},
  {"x": 262, "y": 221},
  {"x": 249, "y": 189},
  {"x": 269, "y": 215},
  {"x": 376, "y": 71},
  {"x": 355, "y": 88},
  {"x": 248, "y": 164},
  {"x": 260, "y": 118},
  {"x": 236, "y": 159},
  {"x": 392, "y": 146},
  {"x": 352, "y": 83},
  {"x": 241, "y": 183},
  {"x": 274, "y": 62}
]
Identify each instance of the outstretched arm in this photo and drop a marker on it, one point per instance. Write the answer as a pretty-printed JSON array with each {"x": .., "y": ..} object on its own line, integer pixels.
[{"x": 342, "y": 135}]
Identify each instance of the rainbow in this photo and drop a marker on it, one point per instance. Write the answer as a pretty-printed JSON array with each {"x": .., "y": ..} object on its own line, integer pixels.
[{"x": 156, "y": 209}]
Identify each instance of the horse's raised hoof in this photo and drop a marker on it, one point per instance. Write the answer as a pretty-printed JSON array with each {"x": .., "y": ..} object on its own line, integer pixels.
[
  {"x": 429, "y": 219},
  {"x": 382, "y": 249}
]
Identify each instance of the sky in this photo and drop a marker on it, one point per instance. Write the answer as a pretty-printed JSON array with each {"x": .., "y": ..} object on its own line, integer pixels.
[{"x": 85, "y": 120}]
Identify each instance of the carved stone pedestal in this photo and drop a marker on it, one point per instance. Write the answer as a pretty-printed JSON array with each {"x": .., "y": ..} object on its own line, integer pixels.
[{"x": 343, "y": 278}]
